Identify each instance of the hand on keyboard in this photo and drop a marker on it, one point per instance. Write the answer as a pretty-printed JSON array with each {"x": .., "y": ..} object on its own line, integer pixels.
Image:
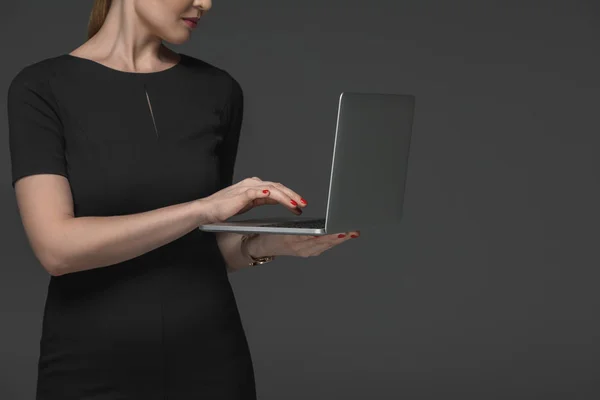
[{"x": 247, "y": 194}]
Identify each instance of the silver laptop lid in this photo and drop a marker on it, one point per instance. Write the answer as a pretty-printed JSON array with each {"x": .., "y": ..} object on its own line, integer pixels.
[{"x": 370, "y": 160}]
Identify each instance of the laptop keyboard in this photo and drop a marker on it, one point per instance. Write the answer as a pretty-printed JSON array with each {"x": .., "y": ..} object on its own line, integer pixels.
[{"x": 309, "y": 224}]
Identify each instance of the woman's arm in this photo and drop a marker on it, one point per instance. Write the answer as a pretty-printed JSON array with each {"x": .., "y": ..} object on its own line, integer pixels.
[{"x": 64, "y": 244}]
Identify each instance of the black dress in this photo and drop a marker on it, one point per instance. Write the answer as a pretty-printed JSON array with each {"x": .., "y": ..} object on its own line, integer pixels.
[{"x": 164, "y": 325}]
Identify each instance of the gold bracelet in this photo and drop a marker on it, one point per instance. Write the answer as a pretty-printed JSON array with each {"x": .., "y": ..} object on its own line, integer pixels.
[{"x": 254, "y": 260}]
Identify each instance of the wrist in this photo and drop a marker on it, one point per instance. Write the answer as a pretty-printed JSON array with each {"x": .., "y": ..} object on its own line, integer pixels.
[
  {"x": 255, "y": 247},
  {"x": 201, "y": 212}
]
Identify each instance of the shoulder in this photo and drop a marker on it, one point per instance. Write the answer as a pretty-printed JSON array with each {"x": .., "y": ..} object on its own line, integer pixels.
[
  {"x": 34, "y": 77},
  {"x": 216, "y": 73}
]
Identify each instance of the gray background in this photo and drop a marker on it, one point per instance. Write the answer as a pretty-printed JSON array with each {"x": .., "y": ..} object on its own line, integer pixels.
[{"x": 488, "y": 290}]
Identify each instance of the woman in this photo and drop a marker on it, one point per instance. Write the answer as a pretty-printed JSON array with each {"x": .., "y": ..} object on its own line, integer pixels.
[{"x": 119, "y": 150}]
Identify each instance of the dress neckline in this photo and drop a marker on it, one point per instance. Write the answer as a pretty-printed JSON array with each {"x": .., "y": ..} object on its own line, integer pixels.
[{"x": 131, "y": 73}]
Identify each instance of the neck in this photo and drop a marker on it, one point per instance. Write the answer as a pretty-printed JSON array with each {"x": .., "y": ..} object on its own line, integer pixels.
[{"x": 126, "y": 42}]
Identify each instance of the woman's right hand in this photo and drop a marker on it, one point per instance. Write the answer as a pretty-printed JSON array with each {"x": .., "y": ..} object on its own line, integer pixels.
[{"x": 247, "y": 194}]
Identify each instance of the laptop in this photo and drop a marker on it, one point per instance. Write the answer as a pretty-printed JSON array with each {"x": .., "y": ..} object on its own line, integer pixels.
[{"x": 368, "y": 171}]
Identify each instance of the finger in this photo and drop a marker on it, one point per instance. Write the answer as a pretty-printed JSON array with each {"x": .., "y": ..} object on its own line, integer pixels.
[
  {"x": 299, "y": 201},
  {"x": 332, "y": 238},
  {"x": 265, "y": 201},
  {"x": 295, "y": 199},
  {"x": 351, "y": 234},
  {"x": 319, "y": 245},
  {"x": 281, "y": 197},
  {"x": 255, "y": 193},
  {"x": 325, "y": 238}
]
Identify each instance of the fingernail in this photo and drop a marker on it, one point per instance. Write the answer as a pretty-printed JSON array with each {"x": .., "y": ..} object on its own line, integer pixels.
[
  {"x": 353, "y": 236},
  {"x": 294, "y": 203},
  {"x": 265, "y": 191},
  {"x": 303, "y": 201},
  {"x": 341, "y": 235}
]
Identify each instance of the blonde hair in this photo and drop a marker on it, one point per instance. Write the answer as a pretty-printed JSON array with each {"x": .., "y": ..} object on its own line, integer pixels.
[{"x": 98, "y": 16}]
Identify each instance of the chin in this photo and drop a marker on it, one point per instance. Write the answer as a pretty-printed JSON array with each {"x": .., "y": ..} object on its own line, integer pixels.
[{"x": 177, "y": 38}]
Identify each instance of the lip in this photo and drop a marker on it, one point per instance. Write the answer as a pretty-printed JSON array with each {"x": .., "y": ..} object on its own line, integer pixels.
[{"x": 191, "y": 22}]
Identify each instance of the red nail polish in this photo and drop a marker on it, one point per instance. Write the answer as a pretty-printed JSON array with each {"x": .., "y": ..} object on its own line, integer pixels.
[
  {"x": 294, "y": 203},
  {"x": 341, "y": 235},
  {"x": 353, "y": 236},
  {"x": 303, "y": 201},
  {"x": 265, "y": 191}
]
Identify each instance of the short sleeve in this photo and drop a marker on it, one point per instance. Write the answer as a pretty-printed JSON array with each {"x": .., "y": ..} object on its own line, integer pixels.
[
  {"x": 36, "y": 140},
  {"x": 227, "y": 150}
]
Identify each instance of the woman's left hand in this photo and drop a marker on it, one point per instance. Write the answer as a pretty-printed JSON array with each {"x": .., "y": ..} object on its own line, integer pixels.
[{"x": 299, "y": 245}]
